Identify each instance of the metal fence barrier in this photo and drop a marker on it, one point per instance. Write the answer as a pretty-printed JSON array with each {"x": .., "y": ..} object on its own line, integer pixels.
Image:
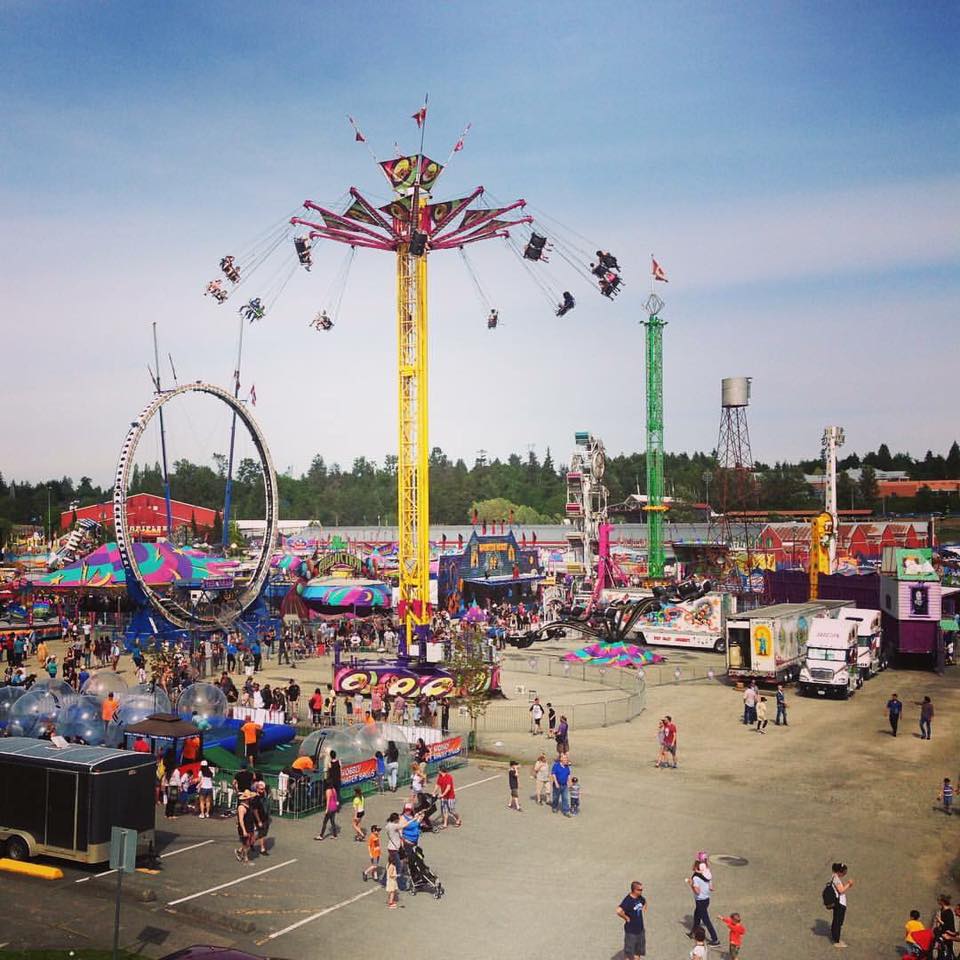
[{"x": 507, "y": 717}]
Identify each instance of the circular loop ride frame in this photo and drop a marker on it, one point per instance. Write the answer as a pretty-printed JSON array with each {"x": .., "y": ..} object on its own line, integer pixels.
[{"x": 172, "y": 609}]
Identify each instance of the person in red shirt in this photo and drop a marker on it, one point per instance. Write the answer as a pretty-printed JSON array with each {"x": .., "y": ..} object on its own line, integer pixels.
[
  {"x": 737, "y": 930},
  {"x": 141, "y": 746},
  {"x": 670, "y": 741},
  {"x": 448, "y": 798}
]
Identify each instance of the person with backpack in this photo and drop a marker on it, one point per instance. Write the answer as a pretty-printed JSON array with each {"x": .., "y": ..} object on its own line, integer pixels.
[{"x": 835, "y": 900}]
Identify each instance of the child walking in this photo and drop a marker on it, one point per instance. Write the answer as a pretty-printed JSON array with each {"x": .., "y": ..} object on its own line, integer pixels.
[
  {"x": 513, "y": 777},
  {"x": 946, "y": 796},
  {"x": 392, "y": 886},
  {"x": 737, "y": 930},
  {"x": 761, "y": 715},
  {"x": 359, "y": 834},
  {"x": 575, "y": 795},
  {"x": 373, "y": 848}
]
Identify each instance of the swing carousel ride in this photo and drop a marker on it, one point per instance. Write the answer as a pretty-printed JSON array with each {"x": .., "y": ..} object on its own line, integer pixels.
[{"x": 412, "y": 225}]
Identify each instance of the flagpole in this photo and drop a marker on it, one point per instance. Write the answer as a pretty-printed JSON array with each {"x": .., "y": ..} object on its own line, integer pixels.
[{"x": 228, "y": 491}]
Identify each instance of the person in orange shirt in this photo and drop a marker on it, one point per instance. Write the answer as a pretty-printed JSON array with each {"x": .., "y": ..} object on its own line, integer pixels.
[
  {"x": 737, "y": 930},
  {"x": 251, "y": 748},
  {"x": 373, "y": 848},
  {"x": 191, "y": 750},
  {"x": 303, "y": 763},
  {"x": 109, "y": 707}
]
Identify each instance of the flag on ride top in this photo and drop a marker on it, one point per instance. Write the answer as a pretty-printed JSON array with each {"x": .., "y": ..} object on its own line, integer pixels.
[
  {"x": 657, "y": 271},
  {"x": 253, "y": 394},
  {"x": 357, "y": 135},
  {"x": 458, "y": 146},
  {"x": 421, "y": 116}
]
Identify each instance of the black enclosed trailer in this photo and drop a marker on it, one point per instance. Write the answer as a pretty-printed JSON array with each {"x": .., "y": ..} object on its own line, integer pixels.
[{"x": 62, "y": 802}]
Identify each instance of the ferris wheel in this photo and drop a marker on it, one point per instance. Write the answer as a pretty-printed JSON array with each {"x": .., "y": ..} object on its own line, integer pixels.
[{"x": 186, "y": 604}]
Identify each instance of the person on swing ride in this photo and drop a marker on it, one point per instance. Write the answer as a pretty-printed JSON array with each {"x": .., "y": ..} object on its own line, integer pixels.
[
  {"x": 607, "y": 260},
  {"x": 302, "y": 245},
  {"x": 215, "y": 289},
  {"x": 610, "y": 285},
  {"x": 567, "y": 304},
  {"x": 493, "y": 319},
  {"x": 231, "y": 270},
  {"x": 254, "y": 310},
  {"x": 321, "y": 321}
]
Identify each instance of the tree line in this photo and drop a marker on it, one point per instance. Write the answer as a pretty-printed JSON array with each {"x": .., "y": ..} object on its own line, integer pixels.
[{"x": 533, "y": 488}]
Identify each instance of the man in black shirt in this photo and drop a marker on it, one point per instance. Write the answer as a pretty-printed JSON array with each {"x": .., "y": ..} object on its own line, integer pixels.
[
  {"x": 631, "y": 910},
  {"x": 243, "y": 779}
]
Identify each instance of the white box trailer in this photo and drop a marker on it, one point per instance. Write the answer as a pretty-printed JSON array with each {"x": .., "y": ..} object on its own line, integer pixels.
[
  {"x": 870, "y": 656},
  {"x": 770, "y": 643},
  {"x": 691, "y": 624},
  {"x": 830, "y": 667}
]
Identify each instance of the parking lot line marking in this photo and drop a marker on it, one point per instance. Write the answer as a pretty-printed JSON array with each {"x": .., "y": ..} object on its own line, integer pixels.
[
  {"x": 193, "y": 846},
  {"x": 223, "y": 886},
  {"x": 316, "y": 916},
  {"x": 476, "y": 783},
  {"x": 169, "y": 853}
]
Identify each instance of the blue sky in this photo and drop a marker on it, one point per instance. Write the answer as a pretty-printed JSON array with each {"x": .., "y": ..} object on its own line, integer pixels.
[{"x": 794, "y": 167}]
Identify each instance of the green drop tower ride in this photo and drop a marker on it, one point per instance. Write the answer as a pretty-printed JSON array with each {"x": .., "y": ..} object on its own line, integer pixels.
[{"x": 655, "y": 506}]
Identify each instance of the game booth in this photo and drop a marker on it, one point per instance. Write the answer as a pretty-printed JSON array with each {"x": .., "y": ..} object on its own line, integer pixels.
[{"x": 491, "y": 569}]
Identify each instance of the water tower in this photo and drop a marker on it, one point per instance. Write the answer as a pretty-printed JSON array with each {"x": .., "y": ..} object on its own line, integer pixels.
[{"x": 735, "y": 488}]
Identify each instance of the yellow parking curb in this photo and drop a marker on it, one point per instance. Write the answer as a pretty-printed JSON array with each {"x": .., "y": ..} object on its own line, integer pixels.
[{"x": 31, "y": 869}]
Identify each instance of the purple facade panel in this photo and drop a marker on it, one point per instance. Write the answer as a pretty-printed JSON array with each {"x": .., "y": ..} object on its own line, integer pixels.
[
  {"x": 793, "y": 586},
  {"x": 909, "y": 636}
]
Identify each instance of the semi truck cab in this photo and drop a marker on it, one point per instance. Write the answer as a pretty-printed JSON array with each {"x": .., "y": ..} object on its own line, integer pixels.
[
  {"x": 870, "y": 656},
  {"x": 831, "y": 666}
]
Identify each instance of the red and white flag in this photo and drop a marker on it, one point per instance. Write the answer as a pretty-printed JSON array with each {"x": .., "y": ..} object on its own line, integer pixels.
[
  {"x": 253, "y": 394},
  {"x": 458, "y": 146},
  {"x": 421, "y": 116},
  {"x": 657, "y": 271},
  {"x": 357, "y": 135}
]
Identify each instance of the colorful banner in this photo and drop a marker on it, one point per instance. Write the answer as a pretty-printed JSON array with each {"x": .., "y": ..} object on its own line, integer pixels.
[
  {"x": 398, "y": 680},
  {"x": 397, "y": 209},
  {"x": 475, "y": 217},
  {"x": 436, "y": 213},
  {"x": 357, "y": 211},
  {"x": 354, "y": 773},
  {"x": 333, "y": 222},
  {"x": 444, "y": 749},
  {"x": 402, "y": 172}
]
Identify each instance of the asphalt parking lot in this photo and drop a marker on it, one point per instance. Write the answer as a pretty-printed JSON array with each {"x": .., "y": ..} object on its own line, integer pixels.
[{"x": 773, "y": 810}]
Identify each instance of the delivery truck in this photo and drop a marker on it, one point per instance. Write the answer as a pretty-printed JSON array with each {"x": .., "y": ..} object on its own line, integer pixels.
[
  {"x": 871, "y": 658},
  {"x": 831, "y": 667},
  {"x": 769, "y": 644}
]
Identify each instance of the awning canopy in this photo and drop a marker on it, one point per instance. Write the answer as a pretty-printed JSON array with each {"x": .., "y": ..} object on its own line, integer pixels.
[{"x": 164, "y": 725}]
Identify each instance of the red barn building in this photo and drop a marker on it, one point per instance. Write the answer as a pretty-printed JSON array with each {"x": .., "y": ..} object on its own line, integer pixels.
[
  {"x": 147, "y": 515},
  {"x": 790, "y": 542}
]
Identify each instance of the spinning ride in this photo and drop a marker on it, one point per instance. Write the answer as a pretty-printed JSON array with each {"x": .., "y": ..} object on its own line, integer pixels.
[
  {"x": 191, "y": 605},
  {"x": 413, "y": 225}
]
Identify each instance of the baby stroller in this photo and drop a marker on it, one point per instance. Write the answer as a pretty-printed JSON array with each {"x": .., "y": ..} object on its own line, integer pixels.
[
  {"x": 427, "y": 805},
  {"x": 421, "y": 876}
]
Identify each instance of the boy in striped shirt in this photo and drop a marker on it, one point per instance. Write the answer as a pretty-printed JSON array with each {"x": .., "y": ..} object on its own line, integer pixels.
[{"x": 946, "y": 796}]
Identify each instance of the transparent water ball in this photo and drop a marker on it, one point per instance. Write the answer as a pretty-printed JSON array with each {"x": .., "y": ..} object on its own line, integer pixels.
[
  {"x": 104, "y": 682},
  {"x": 57, "y": 687},
  {"x": 80, "y": 719},
  {"x": 205, "y": 699},
  {"x": 8, "y": 697},
  {"x": 158, "y": 696}
]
